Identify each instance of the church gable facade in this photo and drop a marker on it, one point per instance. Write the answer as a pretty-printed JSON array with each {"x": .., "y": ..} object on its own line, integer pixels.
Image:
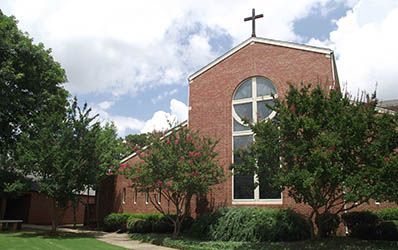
[
  {"x": 235, "y": 86},
  {"x": 239, "y": 85}
]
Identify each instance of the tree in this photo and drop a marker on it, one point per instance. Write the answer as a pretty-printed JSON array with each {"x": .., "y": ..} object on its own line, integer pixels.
[
  {"x": 328, "y": 151},
  {"x": 29, "y": 78},
  {"x": 58, "y": 153},
  {"x": 109, "y": 149},
  {"x": 176, "y": 167},
  {"x": 137, "y": 140}
]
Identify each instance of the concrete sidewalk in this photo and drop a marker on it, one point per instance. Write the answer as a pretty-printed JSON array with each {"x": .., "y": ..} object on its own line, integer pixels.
[{"x": 117, "y": 239}]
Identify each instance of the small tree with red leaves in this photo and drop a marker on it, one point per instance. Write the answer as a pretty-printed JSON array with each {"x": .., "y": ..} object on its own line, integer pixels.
[{"x": 176, "y": 167}]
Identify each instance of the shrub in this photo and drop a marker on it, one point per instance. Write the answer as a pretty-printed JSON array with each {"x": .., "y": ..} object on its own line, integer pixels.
[
  {"x": 163, "y": 225},
  {"x": 387, "y": 230},
  {"x": 327, "y": 224},
  {"x": 290, "y": 226},
  {"x": 201, "y": 226},
  {"x": 122, "y": 221},
  {"x": 116, "y": 222},
  {"x": 255, "y": 225},
  {"x": 362, "y": 224},
  {"x": 388, "y": 214},
  {"x": 141, "y": 226}
]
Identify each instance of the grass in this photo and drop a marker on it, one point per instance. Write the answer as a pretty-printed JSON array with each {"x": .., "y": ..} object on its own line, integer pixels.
[
  {"x": 42, "y": 240},
  {"x": 326, "y": 244}
]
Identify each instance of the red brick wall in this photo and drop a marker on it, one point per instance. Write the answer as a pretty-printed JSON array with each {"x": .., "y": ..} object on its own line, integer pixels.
[
  {"x": 40, "y": 210},
  {"x": 210, "y": 95},
  {"x": 210, "y": 100}
]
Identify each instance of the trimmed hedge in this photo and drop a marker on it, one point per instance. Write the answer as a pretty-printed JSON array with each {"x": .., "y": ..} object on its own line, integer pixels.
[
  {"x": 252, "y": 224},
  {"x": 388, "y": 214},
  {"x": 119, "y": 221},
  {"x": 155, "y": 223},
  {"x": 368, "y": 226}
]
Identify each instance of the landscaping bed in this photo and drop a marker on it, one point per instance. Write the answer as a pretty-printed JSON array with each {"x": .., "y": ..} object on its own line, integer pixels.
[{"x": 188, "y": 243}]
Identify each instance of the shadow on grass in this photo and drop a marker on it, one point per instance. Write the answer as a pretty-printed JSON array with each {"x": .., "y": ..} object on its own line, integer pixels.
[
  {"x": 184, "y": 242},
  {"x": 49, "y": 235}
]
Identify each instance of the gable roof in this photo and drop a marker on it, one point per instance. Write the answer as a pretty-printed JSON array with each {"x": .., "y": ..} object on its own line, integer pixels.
[
  {"x": 263, "y": 41},
  {"x": 168, "y": 132}
]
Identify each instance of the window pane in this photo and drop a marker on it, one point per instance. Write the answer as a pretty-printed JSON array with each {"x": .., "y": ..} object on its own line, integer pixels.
[
  {"x": 262, "y": 110},
  {"x": 264, "y": 86},
  {"x": 244, "y": 111},
  {"x": 266, "y": 191},
  {"x": 244, "y": 90},
  {"x": 240, "y": 127},
  {"x": 242, "y": 141},
  {"x": 243, "y": 187}
]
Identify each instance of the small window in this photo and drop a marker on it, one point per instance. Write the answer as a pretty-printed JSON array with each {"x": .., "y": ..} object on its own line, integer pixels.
[
  {"x": 135, "y": 194},
  {"x": 124, "y": 196},
  {"x": 160, "y": 196}
]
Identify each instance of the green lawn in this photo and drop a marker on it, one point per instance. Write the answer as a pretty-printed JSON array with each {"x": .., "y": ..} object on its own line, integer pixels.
[
  {"x": 41, "y": 240},
  {"x": 332, "y": 244}
]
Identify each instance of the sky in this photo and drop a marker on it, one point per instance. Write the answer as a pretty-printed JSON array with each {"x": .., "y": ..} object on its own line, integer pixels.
[{"x": 130, "y": 60}]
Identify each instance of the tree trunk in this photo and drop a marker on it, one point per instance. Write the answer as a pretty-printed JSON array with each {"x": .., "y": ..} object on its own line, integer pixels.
[
  {"x": 177, "y": 227},
  {"x": 3, "y": 207},
  {"x": 54, "y": 217},
  {"x": 97, "y": 192},
  {"x": 313, "y": 228}
]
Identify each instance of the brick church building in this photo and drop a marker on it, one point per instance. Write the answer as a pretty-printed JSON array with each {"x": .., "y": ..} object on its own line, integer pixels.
[{"x": 233, "y": 86}]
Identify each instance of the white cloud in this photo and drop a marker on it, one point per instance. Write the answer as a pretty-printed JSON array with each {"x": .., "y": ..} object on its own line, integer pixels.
[
  {"x": 105, "y": 104},
  {"x": 128, "y": 46},
  {"x": 162, "y": 120},
  {"x": 366, "y": 46},
  {"x": 122, "y": 123}
]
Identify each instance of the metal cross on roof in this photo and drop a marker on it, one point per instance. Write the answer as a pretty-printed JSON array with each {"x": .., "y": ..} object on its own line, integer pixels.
[{"x": 253, "y": 19}]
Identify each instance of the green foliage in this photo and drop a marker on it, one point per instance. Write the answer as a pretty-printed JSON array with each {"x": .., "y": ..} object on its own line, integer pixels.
[
  {"x": 388, "y": 213},
  {"x": 320, "y": 140},
  {"x": 126, "y": 221},
  {"x": 290, "y": 226},
  {"x": 327, "y": 224},
  {"x": 30, "y": 80},
  {"x": 367, "y": 225},
  {"x": 136, "y": 141},
  {"x": 257, "y": 224},
  {"x": 187, "y": 243},
  {"x": 387, "y": 230},
  {"x": 116, "y": 222},
  {"x": 201, "y": 226},
  {"x": 178, "y": 166}
]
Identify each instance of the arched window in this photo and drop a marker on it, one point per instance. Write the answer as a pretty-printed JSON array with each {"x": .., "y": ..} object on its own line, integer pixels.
[{"x": 251, "y": 102}]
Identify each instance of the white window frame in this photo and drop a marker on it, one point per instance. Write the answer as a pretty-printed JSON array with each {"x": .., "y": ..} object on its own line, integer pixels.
[
  {"x": 124, "y": 194},
  {"x": 254, "y": 99},
  {"x": 135, "y": 194},
  {"x": 147, "y": 197}
]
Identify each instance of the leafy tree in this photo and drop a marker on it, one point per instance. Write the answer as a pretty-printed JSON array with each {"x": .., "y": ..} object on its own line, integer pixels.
[
  {"x": 29, "y": 78},
  {"x": 109, "y": 149},
  {"x": 329, "y": 152},
  {"x": 58, "y": 153},
  {"x": 137, "y": 140},
  {"x": 176, "y": 167}
]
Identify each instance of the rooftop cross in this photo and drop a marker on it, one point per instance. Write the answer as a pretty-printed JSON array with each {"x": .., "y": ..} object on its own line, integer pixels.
[{"x": 253, "y": 19}]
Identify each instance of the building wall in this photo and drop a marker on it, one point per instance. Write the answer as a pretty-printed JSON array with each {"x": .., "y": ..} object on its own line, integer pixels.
[
  {"x": 210, "y": 102},
  {"x": 210, "y": 97},
  {"x": 40, "y": 210}
]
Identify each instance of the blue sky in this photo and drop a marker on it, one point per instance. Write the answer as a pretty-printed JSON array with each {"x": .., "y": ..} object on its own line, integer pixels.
[{"x": 130, "y": 60}]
